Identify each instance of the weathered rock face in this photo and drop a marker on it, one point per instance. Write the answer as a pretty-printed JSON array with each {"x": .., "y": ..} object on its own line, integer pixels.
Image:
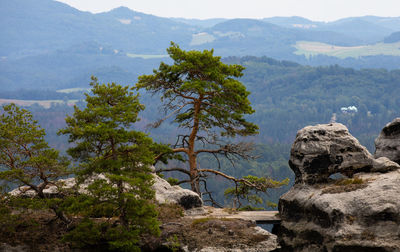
[
  {"x": 325, "y": 149},
  {"x": 388, "y": 142},
  {"x": 164, "y": 192},
  {"x": 321, "y": 214}
]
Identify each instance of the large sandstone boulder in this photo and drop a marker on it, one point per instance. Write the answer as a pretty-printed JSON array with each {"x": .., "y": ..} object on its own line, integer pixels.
[
  {"x": 325, "y": 149},
  {"x": 164, "y": 192},
  {"x": 319, "y": 213},
  {"x": 388, "y": 142}
]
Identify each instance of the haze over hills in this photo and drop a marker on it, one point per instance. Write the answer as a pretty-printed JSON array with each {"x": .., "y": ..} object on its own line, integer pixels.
[
  {"x": 34, "y": 26},
  {"x": 48, "y": 44},
  {"x": 205, "y": 23},
  {"x": 368, "y": 29}
]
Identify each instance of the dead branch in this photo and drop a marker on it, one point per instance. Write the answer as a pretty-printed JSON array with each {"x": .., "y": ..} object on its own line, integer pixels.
[
  {"x": 184, "y": 141},
  {"x": 211, "y": 199},
  {"x": 239, "y": 150}
]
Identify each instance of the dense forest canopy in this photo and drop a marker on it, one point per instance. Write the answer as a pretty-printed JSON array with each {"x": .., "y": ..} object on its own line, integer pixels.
[{"x": 289, "y": 96}]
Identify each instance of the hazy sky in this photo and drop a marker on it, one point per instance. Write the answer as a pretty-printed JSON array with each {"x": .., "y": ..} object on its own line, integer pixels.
[{"x": 317, "y": 10}]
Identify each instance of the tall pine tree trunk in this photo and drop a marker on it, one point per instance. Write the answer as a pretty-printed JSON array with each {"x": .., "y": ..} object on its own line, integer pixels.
[{"x": 194, "y": 175}]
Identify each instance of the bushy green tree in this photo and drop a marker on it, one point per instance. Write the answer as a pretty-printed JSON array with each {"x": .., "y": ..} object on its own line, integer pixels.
[
  {"x": 25, "y": 157},
  {"x": 27, "y": 162},
  {"x": 208, "y": 103},
  {"x": 116, "y": 159}
]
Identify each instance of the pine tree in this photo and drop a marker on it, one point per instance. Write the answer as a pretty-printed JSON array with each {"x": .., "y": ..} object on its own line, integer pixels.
[
  {"x": 208, "y": 102},
  {"x": 105, "y": 143},
  {"x": 27, "y": 161},
  {"x": 25, "y": 157}
]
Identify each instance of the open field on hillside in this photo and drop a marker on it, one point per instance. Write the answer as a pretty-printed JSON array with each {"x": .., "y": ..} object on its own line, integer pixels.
[
  {"x": 309, "y": 49},
  {"x": 73, "y": 90},
  {"x": 43, "y": 103},
  {"x": 201, "y": 38}
]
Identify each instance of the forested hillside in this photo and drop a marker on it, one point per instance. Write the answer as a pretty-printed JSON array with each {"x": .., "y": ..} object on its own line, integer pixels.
[{"x": 288, "y": 96}]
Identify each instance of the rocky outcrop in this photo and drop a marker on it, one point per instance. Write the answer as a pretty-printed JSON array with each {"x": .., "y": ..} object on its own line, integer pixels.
[
  {"x": 164, "y": 192},
  {"x": 325, "y": 149},
  {"x": 388, "y": 142},
  {"x": 359, "y": 212}
]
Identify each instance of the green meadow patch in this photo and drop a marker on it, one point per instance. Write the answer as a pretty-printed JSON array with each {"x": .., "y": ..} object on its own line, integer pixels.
[{"x": 309, "y": 49}]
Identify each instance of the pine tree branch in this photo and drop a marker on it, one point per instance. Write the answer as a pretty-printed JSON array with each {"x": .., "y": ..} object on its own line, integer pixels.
[{"x": 244, "y": 181}]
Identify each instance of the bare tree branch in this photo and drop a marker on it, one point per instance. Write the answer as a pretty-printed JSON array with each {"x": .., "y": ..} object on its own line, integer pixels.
[
  {"x": 211, "y": 199},
  {"x": 242, "y": 150}
]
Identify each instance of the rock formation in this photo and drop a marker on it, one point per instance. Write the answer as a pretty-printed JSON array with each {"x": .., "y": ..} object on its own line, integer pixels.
[
  {"x": 388, "y": 142},
  {"x": 360, "y": 212},
  {"x": 164, "y": 192},
  {"x": 322, "y": 150}
]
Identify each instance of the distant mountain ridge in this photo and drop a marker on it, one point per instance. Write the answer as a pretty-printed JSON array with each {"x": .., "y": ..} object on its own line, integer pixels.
[
  {"x": 36, "y": 26},
  {"x": 49, "y": 43}
]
